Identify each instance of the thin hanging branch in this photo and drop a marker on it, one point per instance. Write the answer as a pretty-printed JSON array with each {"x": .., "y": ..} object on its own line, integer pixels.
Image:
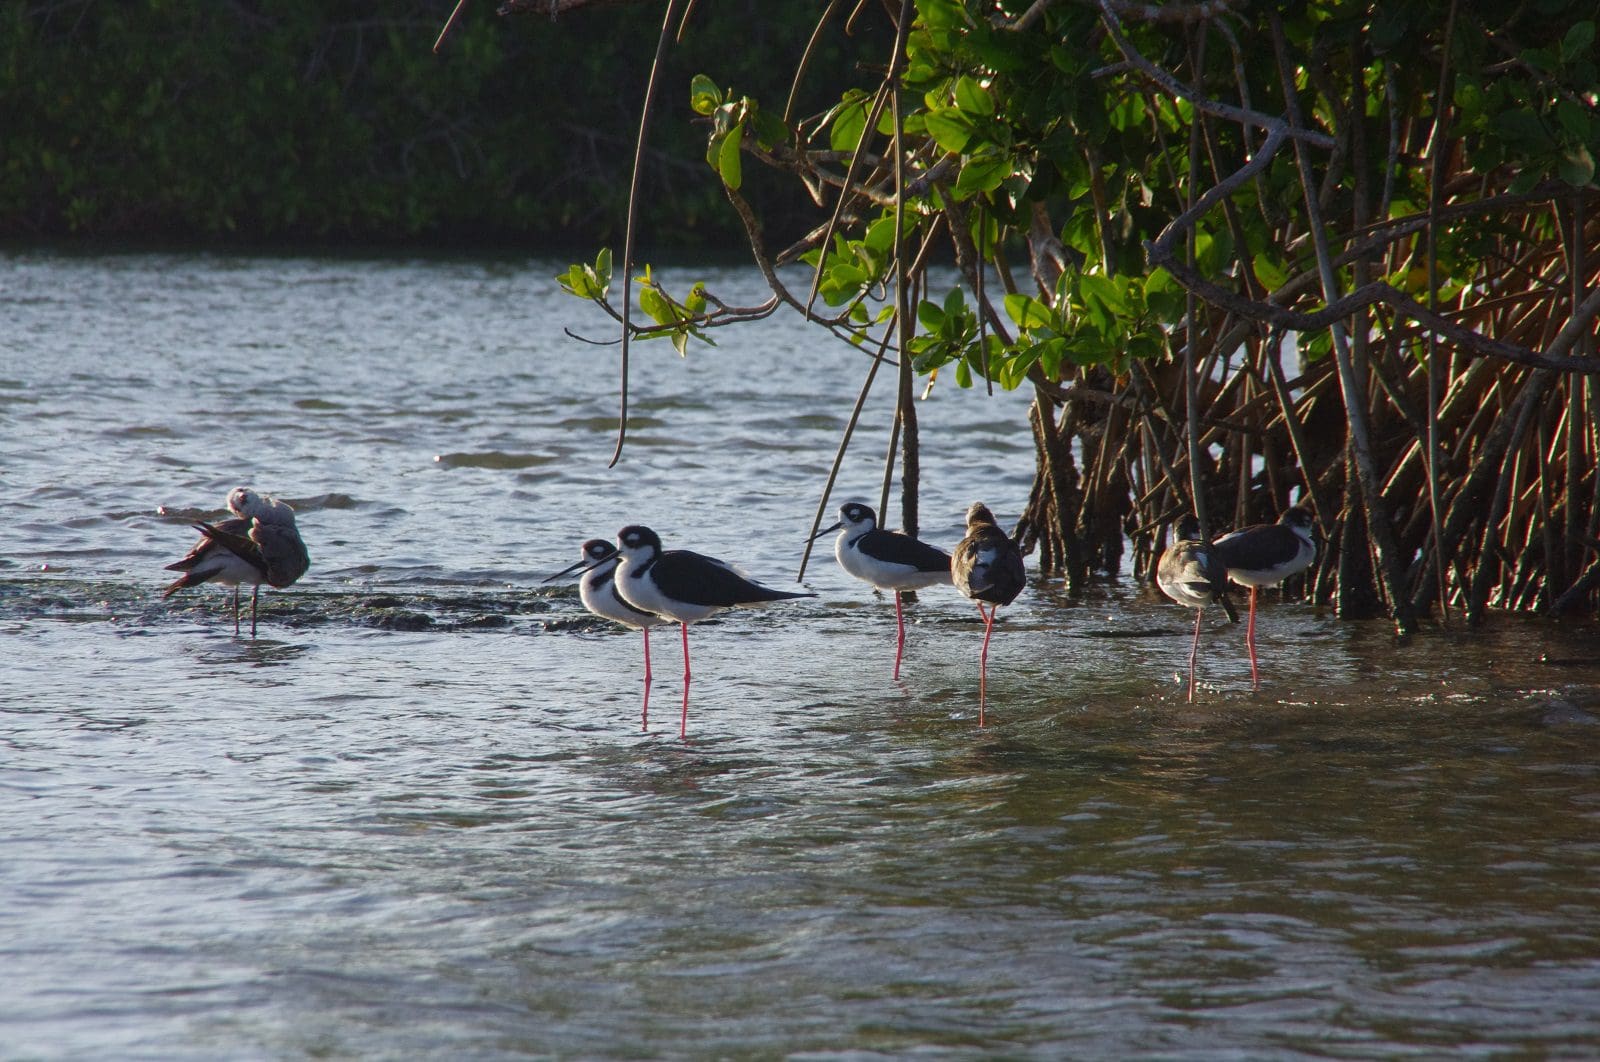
[
  {"x": 805, "y": 59},
  {"x": 633, "y": 213}
]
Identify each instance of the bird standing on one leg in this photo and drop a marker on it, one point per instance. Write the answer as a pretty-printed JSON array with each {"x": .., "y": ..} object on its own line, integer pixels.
[
  {"x": 1192, "y": 574},
  {"x": 597, "y": 589},
  {"x": 888, "y": 560},
  {"x": 1266, "y": 555},
  {"x": 987, "y": 566},
  {"x": 261, "y": 544},
  {"x": 682, "y": 586}
]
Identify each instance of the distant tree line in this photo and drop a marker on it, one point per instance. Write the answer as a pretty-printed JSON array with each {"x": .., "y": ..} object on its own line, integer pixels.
[{"x": 284, "y": 121}]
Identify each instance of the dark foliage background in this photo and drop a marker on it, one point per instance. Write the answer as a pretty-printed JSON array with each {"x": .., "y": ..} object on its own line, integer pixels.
[{"x": 251, "y": 121}]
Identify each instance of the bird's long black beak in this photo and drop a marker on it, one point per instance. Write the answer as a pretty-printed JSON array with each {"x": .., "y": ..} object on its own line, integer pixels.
[
  {"x": 584, "y": 565},
  {"x": 1227, "y": 606},
  {"x": 826, "y": 531}
]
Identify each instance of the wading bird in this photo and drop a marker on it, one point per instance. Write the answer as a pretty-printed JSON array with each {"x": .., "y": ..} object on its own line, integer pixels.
[
  {"x": 260, "y": 544},
  {"x": 597, "y": 589},
  {"x": 886, "y": 559},
  {"x": 1192, "y": 574},
  {"x": 987, "y": 566},
  {"x": 682, "y": 586},
  {"x": 1266, "y": 555}
]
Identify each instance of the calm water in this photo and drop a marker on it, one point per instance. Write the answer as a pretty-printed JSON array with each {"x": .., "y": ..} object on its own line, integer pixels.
[{"x": 418, "y": 817}]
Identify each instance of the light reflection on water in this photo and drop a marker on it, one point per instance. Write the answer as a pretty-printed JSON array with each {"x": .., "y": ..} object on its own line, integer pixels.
[{"x": 418, "y": 816}]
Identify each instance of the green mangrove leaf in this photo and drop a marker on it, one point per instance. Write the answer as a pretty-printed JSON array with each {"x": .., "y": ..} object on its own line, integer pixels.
[
  {"x": 577, "y": 280},
  {"x": 729, "y": 165},
  {"x": 1575, "y": 45},
  {"x": 949, "y": 128},
  {"x": 656, "y": 305},
  {"x": 963, "y": 374},
  {"x": 849, "y": 122},
  {"x": 1577, "y": 166},
  {"x": 982, "y": 173},
  {"x": 880, "y": 235},
  {"x": 1027, "y": 312},
  {"x": 1269, "y": 271},
  {"x": 941, "y": 14},
  {"x": 973, "y": 98},
  {"x": 704, "y": 96}
]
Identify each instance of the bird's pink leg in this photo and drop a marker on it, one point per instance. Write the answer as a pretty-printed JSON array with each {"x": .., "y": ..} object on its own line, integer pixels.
[
  {"x": 1194, "y": 650},
  {"x": 683, "y": 723},
  {"x": 983, "y": 658},
  {"x": 645, "y": 713},
  {"x": 900, "y": 635},
  {"x": 1250, "y": 640},
  {"x": 236, "y": 610},
  {"x": 255, "y": 597}
]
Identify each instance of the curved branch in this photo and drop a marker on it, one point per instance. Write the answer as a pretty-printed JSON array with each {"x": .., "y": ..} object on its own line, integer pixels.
[{"x": 1202, "y": 102}]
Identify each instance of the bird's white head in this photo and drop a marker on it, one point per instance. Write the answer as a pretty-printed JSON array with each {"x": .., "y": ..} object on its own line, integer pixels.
[
  {"x": 247, "y": 503},
  {"x": 253, "y": 505}
]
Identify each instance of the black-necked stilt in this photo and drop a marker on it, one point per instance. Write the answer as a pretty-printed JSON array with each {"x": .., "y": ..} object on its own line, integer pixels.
[
  {"x": 259, "y": 545},
  {"x": 597, "y": 589},
  {"x": 682, "y": 586},
  {"x": 886, "y": 559},
  {"x": 1265, "y": 555},
  {"x": 987, "y": 566},
  {"x": 1192, "y": 574}
]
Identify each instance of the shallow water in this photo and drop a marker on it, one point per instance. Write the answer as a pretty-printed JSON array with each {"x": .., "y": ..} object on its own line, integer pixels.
[{"x": 418, "y": 815}]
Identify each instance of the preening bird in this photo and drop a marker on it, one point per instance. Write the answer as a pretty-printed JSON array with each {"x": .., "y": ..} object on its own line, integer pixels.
[
  {"x": 987, "y": 567},
  {"x": 1192, "y": 574},
  {"x": 259, "y": 544},
  {"x": 888, "y": 560}
]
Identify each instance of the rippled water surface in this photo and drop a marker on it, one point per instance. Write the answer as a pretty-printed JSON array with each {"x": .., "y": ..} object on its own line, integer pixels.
[{"x": 418, "y": 815}]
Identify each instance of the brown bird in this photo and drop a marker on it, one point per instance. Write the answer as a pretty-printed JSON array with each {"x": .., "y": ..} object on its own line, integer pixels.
[
  {"x": 987, "y": 566},
  {"x": 1191, "y": 573},
  {"x": 260, "y": 544}
]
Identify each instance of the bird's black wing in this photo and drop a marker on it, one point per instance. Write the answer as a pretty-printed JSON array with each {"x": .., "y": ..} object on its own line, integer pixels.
[
  {"x": 240, "y": 545},
  {"x": 896, "y": 548},
  {"x": 700, "y": 580},
  {"x": 232, "y": 526}
]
